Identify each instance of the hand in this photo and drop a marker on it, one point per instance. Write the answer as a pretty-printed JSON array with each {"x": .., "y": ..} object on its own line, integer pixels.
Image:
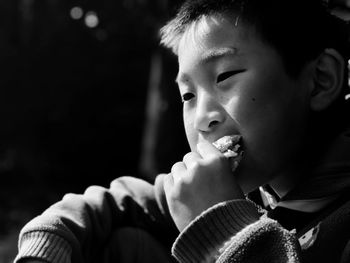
[{"x": 200, "y": 181}]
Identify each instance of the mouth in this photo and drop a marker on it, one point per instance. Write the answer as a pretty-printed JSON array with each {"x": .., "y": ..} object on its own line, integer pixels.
[{"x": 231, "y": 147}]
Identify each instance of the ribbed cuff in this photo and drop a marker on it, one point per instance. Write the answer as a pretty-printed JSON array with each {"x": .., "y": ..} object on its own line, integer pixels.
[
  {"x": 202, "y": 239},
  {"x": 44, "y": 246}
]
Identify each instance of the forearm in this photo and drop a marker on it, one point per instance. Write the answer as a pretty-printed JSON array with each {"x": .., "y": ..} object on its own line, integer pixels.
[
  {"x": 78, "y": 227},
  {"x": 235, "y": 232}
]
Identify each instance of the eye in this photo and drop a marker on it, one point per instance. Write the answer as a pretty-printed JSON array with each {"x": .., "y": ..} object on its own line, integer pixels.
[
  {"x": 187, "y": 96},
  {"x": 226, "y": 75}
]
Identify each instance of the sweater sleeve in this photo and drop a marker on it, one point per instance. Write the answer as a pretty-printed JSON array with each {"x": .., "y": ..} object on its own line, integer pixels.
[
  {"x": 78, "y": 227},
  {"x": 235, "y": 231}
]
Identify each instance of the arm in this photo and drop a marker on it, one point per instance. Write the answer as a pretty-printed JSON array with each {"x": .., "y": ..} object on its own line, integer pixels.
[
  {"x": 235, "y": 231},
  {"x": 215, "y": 220},
  {"x": 78, "y": 227}
]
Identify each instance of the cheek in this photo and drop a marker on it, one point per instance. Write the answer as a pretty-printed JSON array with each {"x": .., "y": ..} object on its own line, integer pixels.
[
  {"x": 191, "y": 133},
  {"x": 243, "y": 107},
  {"x": 271, "y": 127},
  {"x": 262, "y": 101}
]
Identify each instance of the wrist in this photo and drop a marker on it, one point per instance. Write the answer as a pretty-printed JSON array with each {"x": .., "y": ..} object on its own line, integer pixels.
[
  {"x": 207, "y": 234},
  {"x": 43, "y": 246}
]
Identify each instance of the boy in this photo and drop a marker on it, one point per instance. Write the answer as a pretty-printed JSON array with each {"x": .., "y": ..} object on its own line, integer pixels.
[{"x": 272, "y": 72}]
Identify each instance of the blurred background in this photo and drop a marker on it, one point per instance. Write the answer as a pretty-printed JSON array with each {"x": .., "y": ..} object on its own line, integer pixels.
[{"x": 86, "y": 95}]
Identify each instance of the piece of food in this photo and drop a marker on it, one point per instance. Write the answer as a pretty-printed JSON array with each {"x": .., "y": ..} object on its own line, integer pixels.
[{"x": 230, "y": 146}]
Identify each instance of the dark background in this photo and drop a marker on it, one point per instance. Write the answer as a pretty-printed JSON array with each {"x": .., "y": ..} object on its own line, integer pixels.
[{"x": 82, "y": 103}]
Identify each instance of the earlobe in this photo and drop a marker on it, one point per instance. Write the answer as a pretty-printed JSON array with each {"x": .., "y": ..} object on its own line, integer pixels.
[{"x": 328, "y": 79}]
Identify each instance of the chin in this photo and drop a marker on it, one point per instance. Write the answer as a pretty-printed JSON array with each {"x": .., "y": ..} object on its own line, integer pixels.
[{"x": 249, "y": 179}]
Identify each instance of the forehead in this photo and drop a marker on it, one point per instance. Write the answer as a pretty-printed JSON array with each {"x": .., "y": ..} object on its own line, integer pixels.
[
  {"x": 213, "y": 38},
  {"x": 203, "y": 28},
  {"x": 217, "y": 34}
]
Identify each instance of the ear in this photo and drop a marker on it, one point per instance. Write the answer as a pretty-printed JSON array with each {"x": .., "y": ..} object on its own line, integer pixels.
[{"x": 328, "y": 79}]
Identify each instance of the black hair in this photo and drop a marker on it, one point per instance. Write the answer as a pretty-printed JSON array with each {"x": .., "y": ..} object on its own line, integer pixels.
[{"x": 300, "y": 30}]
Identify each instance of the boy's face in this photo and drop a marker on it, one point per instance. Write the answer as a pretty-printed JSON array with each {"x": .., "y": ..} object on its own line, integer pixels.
[{"x": 234, "y": 83}]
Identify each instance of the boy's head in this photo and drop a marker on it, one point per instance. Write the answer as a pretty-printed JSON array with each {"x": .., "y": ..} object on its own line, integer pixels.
[{"x": 258, "y": 68}]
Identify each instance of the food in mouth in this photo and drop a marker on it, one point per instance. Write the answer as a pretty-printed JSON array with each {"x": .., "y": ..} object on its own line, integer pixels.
[{"x": 230, "y": 146}]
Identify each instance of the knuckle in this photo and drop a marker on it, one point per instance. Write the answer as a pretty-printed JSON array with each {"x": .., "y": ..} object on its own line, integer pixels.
[
  {"x": 187, "y": 156},
  {"x": 190, "y": 157},
  {"x": 176, "y": 167},
  {"x": 167, "y": 179}
]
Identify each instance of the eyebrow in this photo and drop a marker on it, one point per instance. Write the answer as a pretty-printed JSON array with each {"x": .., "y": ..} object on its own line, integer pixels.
[
  {"x": 209, "y": 57},
  {"x": 216, "y": 54}
]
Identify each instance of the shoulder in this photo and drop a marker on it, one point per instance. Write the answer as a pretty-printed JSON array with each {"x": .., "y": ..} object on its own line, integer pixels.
[{"x": 330, "y": 237}]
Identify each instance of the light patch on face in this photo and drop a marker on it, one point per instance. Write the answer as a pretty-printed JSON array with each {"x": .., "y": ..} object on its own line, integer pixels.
[
  {"x": 195, "y": 34},
  {"x": 259, "y": 101},
  {"x": 199, "y": 31}
]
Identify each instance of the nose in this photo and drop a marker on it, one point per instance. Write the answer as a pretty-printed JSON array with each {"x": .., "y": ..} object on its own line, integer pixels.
[{"x": 209, "y": 113}]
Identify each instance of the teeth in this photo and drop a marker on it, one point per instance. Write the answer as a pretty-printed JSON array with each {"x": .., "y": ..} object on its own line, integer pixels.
[
  {"x": 224, "y": 143},
  {"x": 230, "y": 147}
]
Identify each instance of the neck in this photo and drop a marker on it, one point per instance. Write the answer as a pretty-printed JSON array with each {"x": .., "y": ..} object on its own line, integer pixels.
[
  {"x": 319, "y": 152},
  {"x": 282, "y": 184}
]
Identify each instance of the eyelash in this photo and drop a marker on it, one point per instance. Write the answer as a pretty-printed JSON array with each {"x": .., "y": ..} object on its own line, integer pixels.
[
  {"x": 223, "y": 76},
  {"x": 187, "y": 96}
]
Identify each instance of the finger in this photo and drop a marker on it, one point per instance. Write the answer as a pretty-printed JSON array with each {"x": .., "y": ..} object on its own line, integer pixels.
[
  {"x": 206, "y": 149},
  {"x": 177, "y": 171},
  {"x": 168, "y": 179},
  {"x": 191, "y": 158},
  {"x": 168, "y": 182}
]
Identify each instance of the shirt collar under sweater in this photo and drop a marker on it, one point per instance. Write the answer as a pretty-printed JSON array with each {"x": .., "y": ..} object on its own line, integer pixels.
[{"x": 330, "y": 179}]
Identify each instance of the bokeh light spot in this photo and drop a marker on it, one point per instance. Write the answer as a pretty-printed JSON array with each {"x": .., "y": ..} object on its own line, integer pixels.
[
  {"x": 76, "y": 12},
  {"x": 91, "y": 19}
]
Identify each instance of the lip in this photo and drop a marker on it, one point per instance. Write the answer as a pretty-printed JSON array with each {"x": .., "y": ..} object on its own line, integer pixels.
[
  {"x": 235, "y": 137},
  {"x": 231, "y": 147},
  {"x": 213, "y": 138}
]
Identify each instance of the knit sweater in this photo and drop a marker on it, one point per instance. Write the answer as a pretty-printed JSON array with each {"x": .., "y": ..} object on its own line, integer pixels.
[{"x": 77, "y": 228}]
